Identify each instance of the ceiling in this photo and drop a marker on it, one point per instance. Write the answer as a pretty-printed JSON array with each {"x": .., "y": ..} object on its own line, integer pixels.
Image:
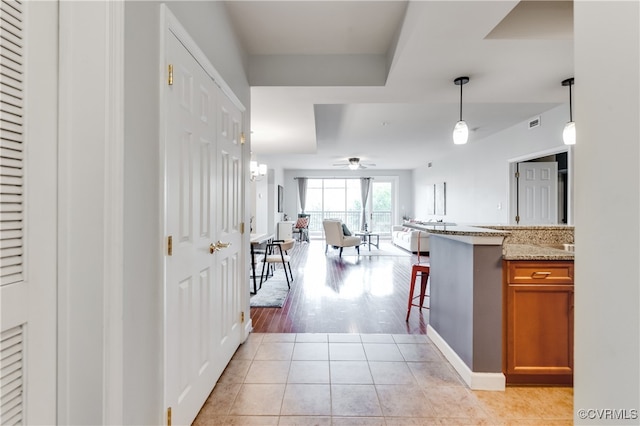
[{"x": 374, "y": 79}]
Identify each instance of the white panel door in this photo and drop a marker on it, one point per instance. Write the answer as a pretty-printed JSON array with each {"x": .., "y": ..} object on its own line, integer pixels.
[
  {"x": 538, "y": 193},
  {"x": 231, "y": 274},
  {"x": 191, "y": 365}
]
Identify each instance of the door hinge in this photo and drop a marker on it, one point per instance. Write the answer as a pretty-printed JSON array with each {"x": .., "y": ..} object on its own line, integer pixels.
[
  {"x": 170, "y": 80},
  {"x": 517, "y": 175},
  {"x": 243, "y": 139},
  {"x": 518, "y": 219},
  {"x": 241, "y": 227},
  {"x": 242, "y": 316},
  {"x": 169, "y": 416},
  {"x": 169, "y": 245}
]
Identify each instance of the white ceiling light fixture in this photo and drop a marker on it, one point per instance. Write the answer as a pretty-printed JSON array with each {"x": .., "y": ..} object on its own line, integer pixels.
[
  {"x": 354, "y": 163},
  {"x": 569, "y": 132},
  {"x": 258, "y": 171},
  {"x": 461, "y": 130}
]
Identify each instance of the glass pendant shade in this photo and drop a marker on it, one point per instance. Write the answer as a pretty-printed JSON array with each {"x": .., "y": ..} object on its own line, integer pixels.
[
  {"x": 460, "y": 133},
  {"x": 461, "y": 130},
  {"x": 569, "y": 133}
]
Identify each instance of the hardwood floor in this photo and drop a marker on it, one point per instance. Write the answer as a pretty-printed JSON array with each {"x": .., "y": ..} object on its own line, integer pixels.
[{"x": 348, "y": 294}]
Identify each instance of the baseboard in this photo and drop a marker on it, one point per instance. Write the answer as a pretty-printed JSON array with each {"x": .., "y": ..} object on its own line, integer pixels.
[
  {"x": 248, "y": 328},
  {"x": 475, "y": 380}
]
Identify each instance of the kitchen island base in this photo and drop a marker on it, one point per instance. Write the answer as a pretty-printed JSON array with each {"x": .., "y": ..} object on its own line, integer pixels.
[
  {"x": 465, "y": 318},
  {"x": 474, "y": 379}
]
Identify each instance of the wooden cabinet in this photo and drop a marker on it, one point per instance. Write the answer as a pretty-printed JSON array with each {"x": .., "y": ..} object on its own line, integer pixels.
[{"x": 538, "y": 322}]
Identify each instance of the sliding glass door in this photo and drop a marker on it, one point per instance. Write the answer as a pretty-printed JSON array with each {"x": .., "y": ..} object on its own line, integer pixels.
[
  {"x": 334, "y": 198},
  {"x": 380, "y": 207}
]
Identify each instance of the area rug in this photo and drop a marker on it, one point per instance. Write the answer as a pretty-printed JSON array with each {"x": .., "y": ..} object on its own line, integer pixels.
[
  {"x": 386, "y": 249},
  {"x": 273, "y": 293}
]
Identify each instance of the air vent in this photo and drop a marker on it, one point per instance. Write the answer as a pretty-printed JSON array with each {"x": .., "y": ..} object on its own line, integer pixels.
[
  {"x": 11, "y": 380},
  {"x": 534, "y": 122}
]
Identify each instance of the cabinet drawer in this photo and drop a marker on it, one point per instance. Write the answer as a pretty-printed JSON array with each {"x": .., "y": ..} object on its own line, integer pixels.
[{"x": 532, "y": 272}]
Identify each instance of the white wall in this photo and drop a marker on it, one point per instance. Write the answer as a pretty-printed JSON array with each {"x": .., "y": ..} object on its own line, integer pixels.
[
  {"x": 477, "y": 175},
  {"x": 276, "y": 177},
  {"x": 607, "y": 154},
  {"x": 260, "y": 205},
  {"x": 88, "y": 183}
]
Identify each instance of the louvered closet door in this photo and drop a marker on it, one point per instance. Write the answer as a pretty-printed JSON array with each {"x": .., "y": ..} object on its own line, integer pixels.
[
  {"x": 27, "y": 306},
  {"x": 13, "y": 289}
]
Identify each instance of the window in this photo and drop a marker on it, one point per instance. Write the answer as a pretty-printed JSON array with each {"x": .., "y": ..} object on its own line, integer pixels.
[{"x": 333, "y": 198}]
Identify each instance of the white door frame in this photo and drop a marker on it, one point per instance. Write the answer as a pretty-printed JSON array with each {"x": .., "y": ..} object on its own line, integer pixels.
[
  {"x": 513, "y": 185},
  {"x": 90, "y": 210}
]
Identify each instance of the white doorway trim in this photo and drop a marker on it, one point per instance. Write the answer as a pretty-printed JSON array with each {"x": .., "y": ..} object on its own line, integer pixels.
[
  {"x": 172, "y": 23},
  {"x": 512, "y": 183},
  {"x": 113, "y": 404},
  {"x": 90, "y": 212}
]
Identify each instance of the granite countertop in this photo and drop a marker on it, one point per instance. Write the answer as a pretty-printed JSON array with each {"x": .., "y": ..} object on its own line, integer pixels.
[
  {"x": 520, "y": 242},
  {"x": 534, "y": 252},
  {"x": 453, "y": 229}
]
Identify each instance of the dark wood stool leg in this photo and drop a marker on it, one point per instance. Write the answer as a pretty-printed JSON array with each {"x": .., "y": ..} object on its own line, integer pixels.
[
  {"x": 412, "y": 287},
  {"x": 423, "y": 287}
]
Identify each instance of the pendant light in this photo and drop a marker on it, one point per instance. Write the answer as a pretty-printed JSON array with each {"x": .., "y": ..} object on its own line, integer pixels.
[
  {"x": 461, "y": 130},
  {"x": 569, "y": 132}
]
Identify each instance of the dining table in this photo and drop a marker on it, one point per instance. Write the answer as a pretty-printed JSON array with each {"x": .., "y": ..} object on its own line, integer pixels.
[{"x": 256, "y": 240}]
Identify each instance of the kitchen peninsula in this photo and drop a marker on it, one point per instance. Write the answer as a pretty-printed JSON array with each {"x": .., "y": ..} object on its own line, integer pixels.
[{"x": 468, "y": 318}]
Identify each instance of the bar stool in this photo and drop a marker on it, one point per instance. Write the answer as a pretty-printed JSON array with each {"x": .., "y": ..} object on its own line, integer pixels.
[{"x": 421, "y": 269}]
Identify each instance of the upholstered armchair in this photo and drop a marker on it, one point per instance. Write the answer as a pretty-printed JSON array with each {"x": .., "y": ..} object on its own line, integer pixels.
[
  {"x": 302, "y": 227},
  {"x": 334, "y": 236}
]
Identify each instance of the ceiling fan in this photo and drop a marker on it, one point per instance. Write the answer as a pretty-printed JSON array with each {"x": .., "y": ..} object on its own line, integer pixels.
[{"x": 354, "y": 163}]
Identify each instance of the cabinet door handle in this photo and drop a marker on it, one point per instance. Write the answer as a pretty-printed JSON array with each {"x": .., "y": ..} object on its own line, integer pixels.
[{"x": 539, "y": 274}]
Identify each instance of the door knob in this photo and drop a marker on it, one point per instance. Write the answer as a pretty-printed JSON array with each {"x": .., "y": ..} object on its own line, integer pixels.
[{"x": 218, "y": 246}]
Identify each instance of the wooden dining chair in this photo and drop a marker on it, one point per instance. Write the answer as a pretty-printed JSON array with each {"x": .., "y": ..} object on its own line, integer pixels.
[{"x": 277, "y": 252}]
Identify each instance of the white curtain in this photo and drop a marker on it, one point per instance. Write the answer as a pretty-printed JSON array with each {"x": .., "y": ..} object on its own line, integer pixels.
[
  {"x": 302, "y": 192},
  {"x": 365, "y": 183}
]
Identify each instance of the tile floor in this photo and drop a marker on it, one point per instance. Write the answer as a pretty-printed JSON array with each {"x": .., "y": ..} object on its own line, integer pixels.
[{"x": 365, "y": 379}]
